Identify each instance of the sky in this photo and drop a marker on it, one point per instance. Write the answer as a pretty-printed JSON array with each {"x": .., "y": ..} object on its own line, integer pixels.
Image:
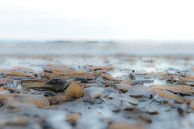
[{"x": 97, "y": 19}]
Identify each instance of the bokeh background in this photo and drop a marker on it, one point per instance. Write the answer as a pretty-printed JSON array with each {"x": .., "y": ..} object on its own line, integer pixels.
[
  {"x": 96, "y": 27},
  {"x": 97, "y": 20}
]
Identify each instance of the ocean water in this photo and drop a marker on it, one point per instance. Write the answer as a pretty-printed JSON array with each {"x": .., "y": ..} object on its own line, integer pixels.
[{"x": 95, "y": 48}]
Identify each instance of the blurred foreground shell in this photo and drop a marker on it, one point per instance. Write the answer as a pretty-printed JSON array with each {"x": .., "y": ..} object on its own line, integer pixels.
[
  {"x": 122, "y": 125},
  {"x": 15, "y": 121},
  {"x": 15, "y": 100}
]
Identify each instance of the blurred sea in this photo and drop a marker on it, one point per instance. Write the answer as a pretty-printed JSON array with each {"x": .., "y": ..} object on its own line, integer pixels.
[{"x": 96, "y": 48}]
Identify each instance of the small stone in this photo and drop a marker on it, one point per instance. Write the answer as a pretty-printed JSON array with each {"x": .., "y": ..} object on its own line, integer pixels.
[
  {"x": 57, "y": 84},
  {"x": 132, "y": 75},
  {"x": 74, "y": 90}
]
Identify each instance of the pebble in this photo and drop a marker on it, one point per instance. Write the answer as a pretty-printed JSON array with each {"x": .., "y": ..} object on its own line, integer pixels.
[
  {"x": 74, "y": 90},
  {"x": 57, "y": 84}
]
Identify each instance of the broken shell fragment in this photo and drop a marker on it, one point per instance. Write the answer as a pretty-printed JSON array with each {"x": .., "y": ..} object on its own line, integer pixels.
[
  {"x": 188, "y": 78},
  {"x": 105, "y": 68},
  {"x": 68, "y": 75},
  {"x": 123, "y": 125},
  {"x": 57, "y": 69},
  {"x": 4, "y": 81},
  {"x": 176, "y": 89},
  {"x": 19, "y": 72},
  {"x": 106, "y": 76},
  {"x": 57, "y": 99},
  {"x": 168, "y": 95},
  {"x": 73, "y": 118},
  {"x": 15, "y": 121},
  {"x": 57, "y": 85},
  {"x": 126, "y": 101},
  {"x": 123, "y": 87},
  {"x": 33, "y": 83},
  {"x": 192, "y": 104}
]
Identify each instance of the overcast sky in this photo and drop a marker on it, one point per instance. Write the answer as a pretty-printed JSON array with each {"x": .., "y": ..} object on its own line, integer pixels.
[{"x": 97, "y": 19}]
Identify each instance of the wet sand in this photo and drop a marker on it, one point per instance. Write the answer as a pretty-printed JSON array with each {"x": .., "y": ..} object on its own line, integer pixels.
[{"x": 147, "y": 86}]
